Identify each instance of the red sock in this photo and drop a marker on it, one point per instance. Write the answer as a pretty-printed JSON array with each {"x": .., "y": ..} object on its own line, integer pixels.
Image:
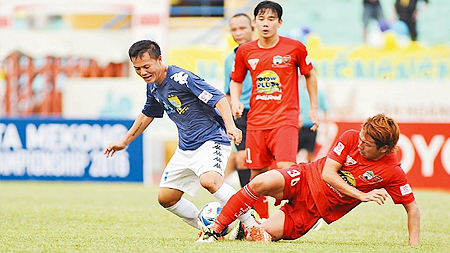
[
  {"x": 237, "y": 205},
  {"x": 262, "y": 207}
]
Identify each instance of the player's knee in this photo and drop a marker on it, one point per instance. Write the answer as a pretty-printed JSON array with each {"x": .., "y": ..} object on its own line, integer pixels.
[
  {"x": 265, "y": 184},
  {"x": 166, "y": 200},
  {"x": 211, "y": 181},
  {"x": 259, "y": 184}
]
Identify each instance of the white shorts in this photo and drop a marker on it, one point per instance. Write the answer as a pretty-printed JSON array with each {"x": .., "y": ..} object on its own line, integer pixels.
[{"x": 185, "y": 167}]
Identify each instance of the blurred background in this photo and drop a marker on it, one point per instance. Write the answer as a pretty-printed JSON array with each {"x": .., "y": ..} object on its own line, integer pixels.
[{"x": 67, "y": 87}]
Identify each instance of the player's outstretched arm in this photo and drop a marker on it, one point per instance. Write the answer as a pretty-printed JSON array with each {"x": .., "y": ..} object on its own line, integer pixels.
[
  {"x": 413, "y": 222},
  {"x": 237, "y": 107},
  {"x": 233, "y": 132},
  {"x": 139, "y": 125}
]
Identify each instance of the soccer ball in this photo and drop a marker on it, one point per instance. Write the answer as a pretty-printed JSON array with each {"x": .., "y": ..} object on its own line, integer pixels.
[{"x": 208, "y": 215}]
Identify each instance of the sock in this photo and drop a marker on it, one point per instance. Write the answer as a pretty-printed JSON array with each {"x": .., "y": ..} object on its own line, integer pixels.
[
  {"x": 262, "y": 207},
  {"x": 244, "y": 176},
  {"x": 187, "y": 211},
  {"x": 237, "y": 206},
  {"x": 224, "y": 193}
]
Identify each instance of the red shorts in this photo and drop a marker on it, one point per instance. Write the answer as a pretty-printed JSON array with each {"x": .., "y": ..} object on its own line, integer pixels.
[
  {"x": 300, "y": 212},
  {"x": 265, "y": 146}
]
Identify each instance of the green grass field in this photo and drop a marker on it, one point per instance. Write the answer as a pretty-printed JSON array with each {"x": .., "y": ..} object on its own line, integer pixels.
[{"x": 125, "y": 217}]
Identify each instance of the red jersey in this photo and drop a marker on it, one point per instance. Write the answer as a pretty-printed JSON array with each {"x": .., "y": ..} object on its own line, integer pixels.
[
  {"x": 359, "y": 172},
  {"x": 274, "y": 100}
]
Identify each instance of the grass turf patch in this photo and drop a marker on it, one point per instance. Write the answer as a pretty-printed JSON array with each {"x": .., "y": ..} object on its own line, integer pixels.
[{"x": 126, "y": 217}]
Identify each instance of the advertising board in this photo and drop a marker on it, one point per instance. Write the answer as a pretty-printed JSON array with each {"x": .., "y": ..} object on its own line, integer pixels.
[{"x": 67, "y": 150}]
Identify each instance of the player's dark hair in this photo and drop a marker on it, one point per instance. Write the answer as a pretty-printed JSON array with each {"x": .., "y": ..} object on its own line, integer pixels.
[
  {"x": 383, "y": 130},
  {"x": 138, "y": 49},
  {"x": 241, "y": 14},
  {"x": 263, "y": 6}
]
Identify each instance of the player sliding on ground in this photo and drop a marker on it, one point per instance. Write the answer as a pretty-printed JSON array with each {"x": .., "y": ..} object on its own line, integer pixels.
[{"x": 361, "y": 167}]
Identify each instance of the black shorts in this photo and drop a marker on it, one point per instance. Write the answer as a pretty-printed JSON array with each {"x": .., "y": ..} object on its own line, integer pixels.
[
  {"x": 307, "y": 139},
  {"x": 241, "y": 123}
]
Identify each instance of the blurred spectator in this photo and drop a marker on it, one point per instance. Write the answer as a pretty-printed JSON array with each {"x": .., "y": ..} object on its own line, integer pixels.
[
  {"x": 373, "y": 10},
  {"x": 407, "y": 12}
]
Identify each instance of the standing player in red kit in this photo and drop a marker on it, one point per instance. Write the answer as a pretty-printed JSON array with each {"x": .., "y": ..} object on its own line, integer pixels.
[
  {"x": 273, "y": 121},
  {"x": 361, "y": 167}
]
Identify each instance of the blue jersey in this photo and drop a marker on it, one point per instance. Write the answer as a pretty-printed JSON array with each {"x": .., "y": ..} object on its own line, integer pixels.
[
  {"x": 189, "y": 102},
  {"x": 246, "y": 84}
]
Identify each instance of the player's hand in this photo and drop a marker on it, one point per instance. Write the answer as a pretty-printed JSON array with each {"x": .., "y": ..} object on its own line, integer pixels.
[
  {"x": 314, "y": 116},
  {"x": 237, "y": 108},
  {"x": 235, "y": 135},
  {"x": 377, "y": 195},
  {"x": 113, "y": 147}
]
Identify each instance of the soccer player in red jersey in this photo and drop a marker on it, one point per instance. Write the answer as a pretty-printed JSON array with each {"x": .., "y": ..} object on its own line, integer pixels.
[
  {"x": 361, "y": 167},
  {"x": 274, "y": 63}
]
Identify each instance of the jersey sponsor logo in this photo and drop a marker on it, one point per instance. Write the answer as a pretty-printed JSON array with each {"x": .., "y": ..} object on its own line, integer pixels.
[
  {"x": 336, "y": 191},
  {"x": 205, "y": 96},
  {"x": 349, "y": 161},
  {"x": 370, "y": 178},
  {"x": 180, "y": 77},
  {"x": 268, "y": 82},
  {"x": 268, "y": 97},
  {"x": 405, "y": 189},
  {"x": 347, "y": 177},
  {"x": 253, "y": 63},
  {"x": 338, "y": 149},
  {"x": 175, "y": 101}
]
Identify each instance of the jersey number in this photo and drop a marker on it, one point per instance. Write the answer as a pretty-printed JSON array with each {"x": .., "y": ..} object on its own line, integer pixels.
[
  {"x": 294, "y": 173},
  {"x": 248, "y": 158}
]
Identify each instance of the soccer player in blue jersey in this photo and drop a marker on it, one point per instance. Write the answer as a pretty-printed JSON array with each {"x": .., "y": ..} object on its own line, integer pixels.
[{"x": 205, "y": 125}]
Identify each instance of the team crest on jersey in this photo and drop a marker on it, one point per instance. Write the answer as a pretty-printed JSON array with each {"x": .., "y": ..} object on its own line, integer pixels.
[
  {"x": 279, "y": 61},
  {"x": 268, "y": 82},
  {"x": 348, "y": 177},
  {"x": 253, "y": 63},
  {"x": 175, "y": 101},
  {"x": 349, "y": 161},
  {"x": 370, "y": 178}
]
